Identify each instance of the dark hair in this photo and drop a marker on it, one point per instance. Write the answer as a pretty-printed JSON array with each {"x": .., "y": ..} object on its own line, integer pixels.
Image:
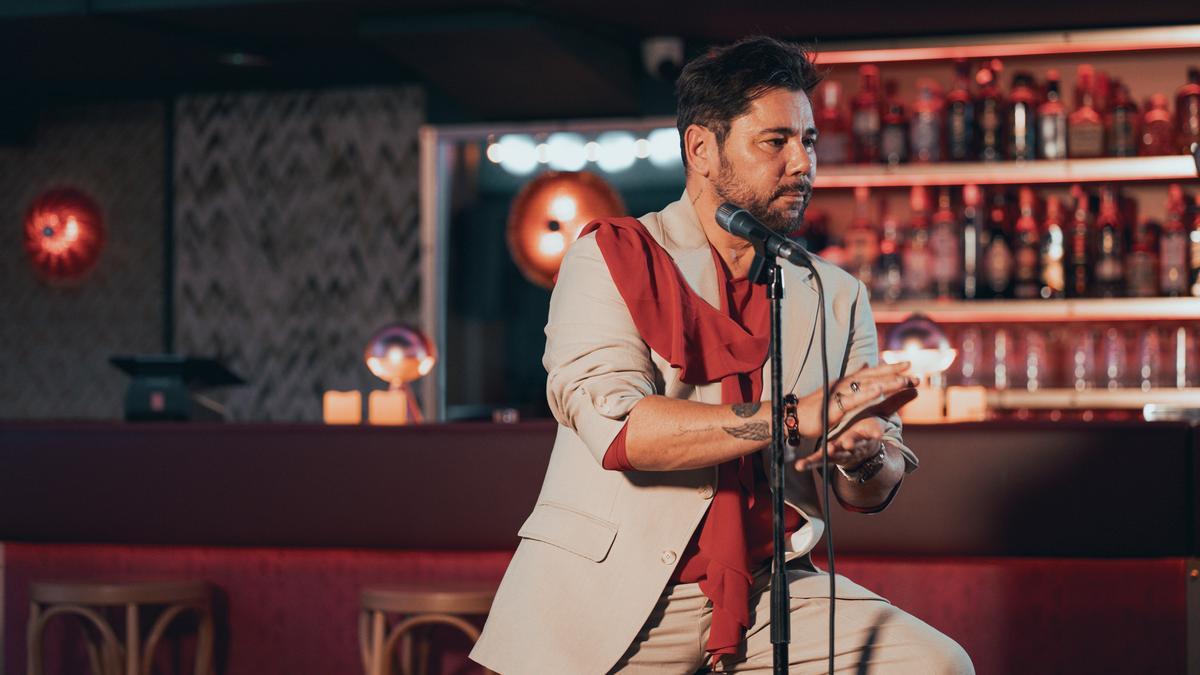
[{"x": 714, "y": 89}]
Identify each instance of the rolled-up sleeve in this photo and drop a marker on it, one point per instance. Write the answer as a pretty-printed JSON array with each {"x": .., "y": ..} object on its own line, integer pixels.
[{"x": 597, "y": 365}]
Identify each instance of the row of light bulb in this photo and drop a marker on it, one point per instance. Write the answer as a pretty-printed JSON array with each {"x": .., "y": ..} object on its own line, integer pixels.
[{"x": 612, "y": 151}]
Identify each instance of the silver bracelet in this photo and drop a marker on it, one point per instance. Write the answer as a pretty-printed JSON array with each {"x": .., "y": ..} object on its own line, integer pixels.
[{"x": 867, "y": 470}]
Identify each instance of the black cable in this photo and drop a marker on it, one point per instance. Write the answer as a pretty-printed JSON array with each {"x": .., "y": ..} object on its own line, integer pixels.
[{"x": 821, "y": 443}]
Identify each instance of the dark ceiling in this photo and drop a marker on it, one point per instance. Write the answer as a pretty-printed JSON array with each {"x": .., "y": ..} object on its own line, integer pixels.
[{"x": 478, "y": 60}]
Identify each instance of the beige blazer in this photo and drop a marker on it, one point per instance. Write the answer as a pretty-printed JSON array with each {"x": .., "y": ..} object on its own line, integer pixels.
[{"x": 599, "y": 547}]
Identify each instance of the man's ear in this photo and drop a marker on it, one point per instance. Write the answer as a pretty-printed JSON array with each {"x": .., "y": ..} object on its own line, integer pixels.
[{"x": 700, "y": 146}]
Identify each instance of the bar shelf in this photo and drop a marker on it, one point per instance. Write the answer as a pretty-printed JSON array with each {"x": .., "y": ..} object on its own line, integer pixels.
[
  {"x": 1037, "y": 43},
  {"x": 1106, "y": 169},
  {"x": 1090, "y": 399},
  {"x": 1042, "y": 311}
]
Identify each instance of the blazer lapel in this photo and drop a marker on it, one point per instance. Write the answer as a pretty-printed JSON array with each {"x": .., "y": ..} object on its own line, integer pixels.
[{"x": 799, "y": 326}]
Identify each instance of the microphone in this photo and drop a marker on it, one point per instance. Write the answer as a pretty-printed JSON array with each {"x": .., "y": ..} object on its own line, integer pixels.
[{"x": 737, "y": 221}]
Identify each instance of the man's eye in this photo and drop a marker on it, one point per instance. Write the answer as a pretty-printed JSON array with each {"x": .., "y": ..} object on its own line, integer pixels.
[
  {"x": 810, "y": 142},
  {"x": 777, "y": 142}
]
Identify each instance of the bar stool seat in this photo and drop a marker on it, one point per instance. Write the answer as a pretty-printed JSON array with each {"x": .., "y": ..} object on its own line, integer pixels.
[
  {"x": 113, "y": 656},
  {"x": 420, "y": 605}
]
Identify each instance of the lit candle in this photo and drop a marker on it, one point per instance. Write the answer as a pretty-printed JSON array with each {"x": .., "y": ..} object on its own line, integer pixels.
[
  {"x": 388, "y": 407},
  {"x": 343, "y": 407}
]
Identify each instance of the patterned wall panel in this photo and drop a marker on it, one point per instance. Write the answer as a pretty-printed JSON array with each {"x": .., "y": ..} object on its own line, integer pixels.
[
  {"x": 54, "y": 341},
  {"x": 297, "y": 235}
]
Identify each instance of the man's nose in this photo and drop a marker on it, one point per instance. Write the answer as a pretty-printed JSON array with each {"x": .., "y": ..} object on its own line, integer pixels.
[{"x": 799, "y": 161}]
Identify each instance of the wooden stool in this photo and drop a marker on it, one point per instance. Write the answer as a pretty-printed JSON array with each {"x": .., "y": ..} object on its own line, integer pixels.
[
  {"x": 422, "y": 605},
  {"x": 110, "y": 657}
]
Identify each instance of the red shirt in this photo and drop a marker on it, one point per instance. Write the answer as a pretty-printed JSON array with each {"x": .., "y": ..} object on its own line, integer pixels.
[{"x": 736, "y": 536}]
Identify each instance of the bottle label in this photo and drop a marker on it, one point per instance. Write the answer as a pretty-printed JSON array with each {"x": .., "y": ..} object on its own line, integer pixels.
[
  {"x": 1086, "y": 140},
  {"x": 833, "y": 148},
  {"x": 1053, "y": 278},
  {"x": 892, "y": 145},
  {"x": 926, "y": 137},
  {"x": 1053, "y": 133},
  {"x": 918, "y": 277},
  {"x": 944, "y": 245},
  {"x": 1173, "y": 256},
  {"x": 1121, "y": 140},
  {"x": 998, "y": 265},
  {"x": 959, "y": 131},
  {"x": 866, "y": 122},
  {"x": 1141, "y": 275}
]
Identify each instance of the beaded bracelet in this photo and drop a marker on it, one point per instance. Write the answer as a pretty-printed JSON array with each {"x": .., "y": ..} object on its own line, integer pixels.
[{"x": 791, "y": 422}]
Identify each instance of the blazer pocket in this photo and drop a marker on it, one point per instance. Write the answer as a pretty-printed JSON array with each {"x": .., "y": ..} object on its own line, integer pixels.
[{"x": 569, "y": 529}]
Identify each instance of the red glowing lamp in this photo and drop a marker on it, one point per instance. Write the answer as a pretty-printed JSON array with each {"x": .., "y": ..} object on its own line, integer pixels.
[
  {"x": 64, "y": 234},
  {"x": 548, "y": 214}
]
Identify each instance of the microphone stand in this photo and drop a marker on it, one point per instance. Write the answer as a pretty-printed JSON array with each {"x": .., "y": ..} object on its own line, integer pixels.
[{"x": 765, "y": 270}]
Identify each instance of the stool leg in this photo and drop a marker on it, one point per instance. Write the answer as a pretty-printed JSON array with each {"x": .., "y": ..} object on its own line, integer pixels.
[
  {"x": 379, "y": 660},
  {"x": 406, "y": 654},
  {"x": 204, "y": 643},
  {"x": 423, "y": 639},
  {"x": 33, "y": 644},
  {"x": 133, "y": 648},
  {"x": 95, "y": 647},
  {"x": 364, "y": 640}
]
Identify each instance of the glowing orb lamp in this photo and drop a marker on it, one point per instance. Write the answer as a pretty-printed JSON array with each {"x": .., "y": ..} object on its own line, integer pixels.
[
  {"x": 64, "y": 234},
  {"x": 399, "y": 355},
  {"x": 921, "y": 342},
  {"x": 548, "y": 214}
]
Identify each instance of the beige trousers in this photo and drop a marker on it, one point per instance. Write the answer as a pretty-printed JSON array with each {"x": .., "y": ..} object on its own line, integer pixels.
[{"x": 872, "y": 636}]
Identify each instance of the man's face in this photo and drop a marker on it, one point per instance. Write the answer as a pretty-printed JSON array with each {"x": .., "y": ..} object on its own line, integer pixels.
[{"x": 768, "y": 160}]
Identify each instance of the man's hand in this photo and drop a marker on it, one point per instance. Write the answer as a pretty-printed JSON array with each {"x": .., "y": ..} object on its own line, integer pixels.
[
  {"x": 850, "y": 392},
  {"x": 858, "y": 443}
]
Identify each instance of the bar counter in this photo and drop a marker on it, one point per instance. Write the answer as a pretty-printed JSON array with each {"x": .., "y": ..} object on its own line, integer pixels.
[{"x": 1094, "y": 489}]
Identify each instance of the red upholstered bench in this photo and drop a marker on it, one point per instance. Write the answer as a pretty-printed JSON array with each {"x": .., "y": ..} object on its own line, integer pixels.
[{"x": 294, "y": 610}]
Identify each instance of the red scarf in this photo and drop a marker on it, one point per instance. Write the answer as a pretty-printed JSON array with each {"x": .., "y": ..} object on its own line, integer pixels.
[{"x": 707, "y": 345}]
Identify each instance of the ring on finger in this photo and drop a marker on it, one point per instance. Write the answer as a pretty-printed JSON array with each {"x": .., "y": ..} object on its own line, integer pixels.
[
  {"x": 837, "y": 398},
  {"x": 854, "y": 387}
]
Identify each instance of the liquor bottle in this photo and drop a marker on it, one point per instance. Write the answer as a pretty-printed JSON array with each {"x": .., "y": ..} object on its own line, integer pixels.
[
  {"x": 972, "y": 242},
  {"x": 960, "y": 115},
  {"x": 833, "y": 145},
  {"x": 862, "y": 239},
  {"x": 1085, "y": 128},
  {"x": 1110, "y": 247},
  {"x": 1158, "y": 128},
  {"x": 989, "y": 113},
  {"x": 917, "y": 253},
  {"x": 1173, "y": 246},
  {"x": 893, "y": 135},
  {"x": 926, "y": 124},
  {"x": 997, "y": 261},
  {"x": 889, "y": 267},
  {"x": 1052, "y": 121},
  {"x": 1141, "y": 267},
  {"x": 1022, "y": 118},
  {"x": 1026, "y": 275},
  {"x": 1187, "y": 112},
  {"x": 1121, "y": 123},
  {"x": 1052, "y": 251},
  {"x": 1194, "y": 250},
  {"x": 1079, "y": 247},
  {"x": 865, "y": 115},
  {"x": 944, "y": 237}
]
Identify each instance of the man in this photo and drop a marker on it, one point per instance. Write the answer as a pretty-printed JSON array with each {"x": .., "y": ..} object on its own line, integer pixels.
[{"x": 648, "y": 550}]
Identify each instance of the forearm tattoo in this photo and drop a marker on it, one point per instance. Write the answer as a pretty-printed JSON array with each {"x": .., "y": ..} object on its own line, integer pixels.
[
  {"x": 746, "y": 409},
  {"x": 750, "y": 431}
]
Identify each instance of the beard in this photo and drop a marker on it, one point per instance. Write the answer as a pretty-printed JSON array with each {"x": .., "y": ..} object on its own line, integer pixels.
[{"x": 784, "y": 219}]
